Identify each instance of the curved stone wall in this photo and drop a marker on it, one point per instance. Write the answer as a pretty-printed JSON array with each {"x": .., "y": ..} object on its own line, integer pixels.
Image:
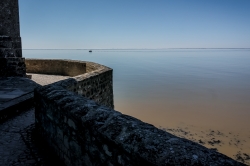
[
  {"x": 55, "y": 67},
  {"x": 88, "y": 79}
]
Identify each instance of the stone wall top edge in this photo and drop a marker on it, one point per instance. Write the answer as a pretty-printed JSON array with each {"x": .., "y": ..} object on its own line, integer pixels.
[
  {"x": 92, "y": 73},
  {"x": 69, "y": 60},
  {"x": 41, "y": 59},
  {"x": 97, "y": 70},
  {"x": 97, "y": 67},
  {"x": 74, "y": 80}
]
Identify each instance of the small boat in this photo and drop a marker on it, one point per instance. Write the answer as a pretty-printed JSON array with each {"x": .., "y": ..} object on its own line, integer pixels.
[{"x": 90, "y": 50}]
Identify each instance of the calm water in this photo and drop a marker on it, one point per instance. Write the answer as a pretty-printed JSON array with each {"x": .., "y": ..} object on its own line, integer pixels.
[{"x": 196, "y": 90}]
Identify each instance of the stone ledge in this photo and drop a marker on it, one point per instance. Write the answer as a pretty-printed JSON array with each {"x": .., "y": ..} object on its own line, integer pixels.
[
  {"x": 16, "y": 94},
  {"x": 16, "y": 106}
]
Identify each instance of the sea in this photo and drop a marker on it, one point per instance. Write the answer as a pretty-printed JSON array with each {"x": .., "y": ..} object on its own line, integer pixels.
[{"x": 199, "y": 94}]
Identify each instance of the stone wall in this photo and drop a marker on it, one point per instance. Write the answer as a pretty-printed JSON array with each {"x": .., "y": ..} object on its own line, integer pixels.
[
  {"x": 94, "y": 81},
  {"x": 55, "y": 67},
  {"x": 83, "y": 132},
  {"x": 9, "y": 16},
  {"x": 10, "y": 47},
  {"x": 10, "y": 40},
  {"x": 12, "y": 67}
]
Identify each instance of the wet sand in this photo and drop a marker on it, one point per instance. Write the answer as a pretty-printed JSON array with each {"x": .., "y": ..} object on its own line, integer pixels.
[
  {"x": 217, "y": 127},
  {"x": 233, "y": 144}
]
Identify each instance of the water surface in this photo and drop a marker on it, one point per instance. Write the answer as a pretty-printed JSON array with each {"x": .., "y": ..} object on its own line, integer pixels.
[{"x": 204, "y": 92}]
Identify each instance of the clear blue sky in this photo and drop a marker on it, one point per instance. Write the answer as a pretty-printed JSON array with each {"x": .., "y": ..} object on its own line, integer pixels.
[{"x": 125, "y": 24}]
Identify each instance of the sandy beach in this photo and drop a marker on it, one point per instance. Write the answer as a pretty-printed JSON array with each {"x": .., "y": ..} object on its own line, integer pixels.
[{"x": 232, "y": 144}]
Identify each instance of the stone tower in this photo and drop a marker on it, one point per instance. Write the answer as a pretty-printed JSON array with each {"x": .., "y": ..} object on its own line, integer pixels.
[{"x": 11, "y": 61}]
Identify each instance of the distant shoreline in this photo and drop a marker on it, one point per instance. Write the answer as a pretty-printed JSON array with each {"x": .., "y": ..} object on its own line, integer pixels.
[{"x": 127, "y": 48}]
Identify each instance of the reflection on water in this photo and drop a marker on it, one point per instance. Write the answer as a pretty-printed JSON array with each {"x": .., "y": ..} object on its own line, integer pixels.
[{"x": 198, "y": 91}]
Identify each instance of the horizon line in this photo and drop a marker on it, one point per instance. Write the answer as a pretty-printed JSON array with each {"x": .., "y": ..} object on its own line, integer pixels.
[{"x": 121, "y": 48}]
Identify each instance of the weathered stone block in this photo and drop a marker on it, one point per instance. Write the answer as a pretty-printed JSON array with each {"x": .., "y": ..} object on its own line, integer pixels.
[{"x": 12, "y": 67}]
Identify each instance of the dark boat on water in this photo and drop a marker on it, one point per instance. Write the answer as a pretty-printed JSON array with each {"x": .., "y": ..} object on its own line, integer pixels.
[{"x": 90, "y": 50}]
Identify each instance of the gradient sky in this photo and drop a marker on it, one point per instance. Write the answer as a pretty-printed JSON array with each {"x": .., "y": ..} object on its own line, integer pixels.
[{"x": 66, "y": 24}]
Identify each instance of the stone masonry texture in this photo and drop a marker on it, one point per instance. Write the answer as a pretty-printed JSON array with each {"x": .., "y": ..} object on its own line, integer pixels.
[
  {"x": 12, "y": 67},
  {"x": 11, "y": 61},
  {"x": 88, "y": 79},
  {"x": 56, "y": 67},
  {"x": 95, "y": 87},
  {"x": 9, "y": 15},
  {"x": 83, "y": 132}
]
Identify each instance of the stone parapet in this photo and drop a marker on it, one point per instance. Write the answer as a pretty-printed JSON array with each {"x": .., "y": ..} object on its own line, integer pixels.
[
  {"x": 55, "y": 67},
  {"x": 96, "y": 84},
  {"x": 82, "y": 132},
  {"x": 88, "y": 79}
]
